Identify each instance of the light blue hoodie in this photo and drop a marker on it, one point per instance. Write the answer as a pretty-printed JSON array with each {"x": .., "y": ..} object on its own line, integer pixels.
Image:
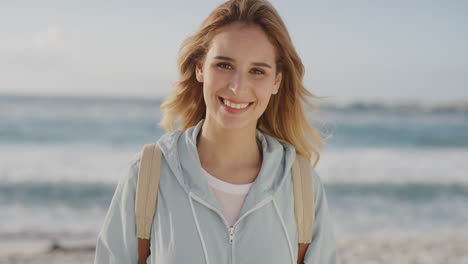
[{"x": 189, "y": 226}]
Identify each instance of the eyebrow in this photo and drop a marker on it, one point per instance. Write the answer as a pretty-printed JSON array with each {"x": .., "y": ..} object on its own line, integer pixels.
[{"x": 254, "y": 63}]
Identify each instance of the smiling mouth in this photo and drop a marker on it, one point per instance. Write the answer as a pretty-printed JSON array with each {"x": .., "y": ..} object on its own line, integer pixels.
[{"x": 231, "y": 104}]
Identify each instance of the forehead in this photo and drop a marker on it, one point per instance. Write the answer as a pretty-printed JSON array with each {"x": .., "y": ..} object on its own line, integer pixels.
[{"x": 240, "y": 41}]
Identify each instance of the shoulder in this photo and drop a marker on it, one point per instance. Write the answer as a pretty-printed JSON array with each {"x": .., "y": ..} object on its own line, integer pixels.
[
  {"x": 129, "y": 173},
  {"x": 135, "y": 159},
  {"x": 316, "y": 179},
  {"x": 320, "y": 196},
  {"x": 167, "y": 140},
  {"x": 170, "y": 139}
]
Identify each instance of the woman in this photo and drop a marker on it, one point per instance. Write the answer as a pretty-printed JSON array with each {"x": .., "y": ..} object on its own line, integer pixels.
[{"x": 225, "y": 194}]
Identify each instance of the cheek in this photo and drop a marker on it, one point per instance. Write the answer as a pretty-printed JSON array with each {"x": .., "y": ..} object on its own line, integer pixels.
[
  {"x": 263, "y": 92},
  {"x": 215, "y": 81}
]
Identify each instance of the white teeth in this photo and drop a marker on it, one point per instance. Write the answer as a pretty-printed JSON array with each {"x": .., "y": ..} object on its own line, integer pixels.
[{"x": 233, "y": 105}]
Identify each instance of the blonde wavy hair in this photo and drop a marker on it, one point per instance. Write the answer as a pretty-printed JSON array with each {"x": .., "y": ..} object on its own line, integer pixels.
[{"x": 285, "y": 116}]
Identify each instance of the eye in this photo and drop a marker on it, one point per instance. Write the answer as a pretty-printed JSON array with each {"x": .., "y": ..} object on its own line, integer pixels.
[
  {"x": 258, "y": 72},
  {"x": 224, "y": 65}
]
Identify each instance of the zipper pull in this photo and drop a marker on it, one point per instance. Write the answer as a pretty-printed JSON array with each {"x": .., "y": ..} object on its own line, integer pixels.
[{"x": 231, "y": 234}]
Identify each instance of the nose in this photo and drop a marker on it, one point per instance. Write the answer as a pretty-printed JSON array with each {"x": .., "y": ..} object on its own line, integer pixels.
[{"x": 238, "y": 83}]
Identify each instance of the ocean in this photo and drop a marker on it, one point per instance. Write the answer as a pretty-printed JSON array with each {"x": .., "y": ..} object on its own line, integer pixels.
[{"x": 385, "y": 169}]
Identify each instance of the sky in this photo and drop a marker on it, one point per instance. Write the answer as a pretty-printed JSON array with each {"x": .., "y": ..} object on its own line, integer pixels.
[{"x": 362, "y": 50}]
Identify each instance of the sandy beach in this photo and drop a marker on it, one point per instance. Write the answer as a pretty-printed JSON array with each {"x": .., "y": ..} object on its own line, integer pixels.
[{"x": 428, "y": 248}]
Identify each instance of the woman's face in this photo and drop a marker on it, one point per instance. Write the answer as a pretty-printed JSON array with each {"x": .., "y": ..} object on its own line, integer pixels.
[{"x": 238, "y": 75}]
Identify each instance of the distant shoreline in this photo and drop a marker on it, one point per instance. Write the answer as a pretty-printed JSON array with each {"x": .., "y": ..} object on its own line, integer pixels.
[
  {"x": 410, "y": 105},
  {"x": 90, "y": 98}
]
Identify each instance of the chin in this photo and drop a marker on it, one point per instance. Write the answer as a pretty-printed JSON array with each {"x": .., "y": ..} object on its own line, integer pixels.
[{"x": 236, "y": 123}]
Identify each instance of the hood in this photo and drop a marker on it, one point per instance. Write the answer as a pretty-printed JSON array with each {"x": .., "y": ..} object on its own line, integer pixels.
[{"x": 179, "y": 149}]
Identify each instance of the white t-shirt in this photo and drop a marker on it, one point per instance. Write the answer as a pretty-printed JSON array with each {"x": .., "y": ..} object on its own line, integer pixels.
[{"x": 230, "y": 196}]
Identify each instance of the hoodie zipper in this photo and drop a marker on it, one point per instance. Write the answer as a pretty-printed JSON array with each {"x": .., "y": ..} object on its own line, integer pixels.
[
  {"x": 231, "y": 235},
  {"x": 231, "y": 230}
]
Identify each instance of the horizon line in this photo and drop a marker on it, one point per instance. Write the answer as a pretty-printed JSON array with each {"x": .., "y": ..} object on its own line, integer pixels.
[{"x": 351, "y": 102}]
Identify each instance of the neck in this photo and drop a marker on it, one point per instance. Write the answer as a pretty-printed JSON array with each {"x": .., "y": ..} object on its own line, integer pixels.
[{"x": 228, "y": 148}]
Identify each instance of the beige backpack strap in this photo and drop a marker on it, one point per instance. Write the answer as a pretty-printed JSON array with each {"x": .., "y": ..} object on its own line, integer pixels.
[
  {"x": 304, "y": 207},
  {"x": 146, "y": 197}
]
